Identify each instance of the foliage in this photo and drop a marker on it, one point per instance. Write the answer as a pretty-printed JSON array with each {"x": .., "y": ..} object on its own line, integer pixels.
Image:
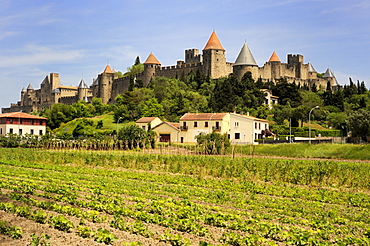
[
  {"x": 213, "y": 143},
  {"x": 61, "y": 223},
  {"x": 42, "y": 240},
  {"x": 14, "y": 232},
  {"x": 359, "y": 123},
  {"x": 104, "y": 236},
  {"x": 135, "y": 137}
]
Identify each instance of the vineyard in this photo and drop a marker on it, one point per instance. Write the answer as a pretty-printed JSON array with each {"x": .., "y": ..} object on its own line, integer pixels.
[{"x": 82, "y": 197}]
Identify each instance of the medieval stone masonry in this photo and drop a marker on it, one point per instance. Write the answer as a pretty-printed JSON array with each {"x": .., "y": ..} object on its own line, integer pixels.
[{"x": 212, "y": 62}]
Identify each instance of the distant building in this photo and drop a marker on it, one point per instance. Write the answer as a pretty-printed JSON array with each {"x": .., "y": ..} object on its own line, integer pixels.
[
  {"x": 22, "y": 123},
  {"x": 240, "y": 129},
  {"x": 211, "y": 62},
  {"x": 144, "y": 122},
  {"x": 270, "y": 99}
]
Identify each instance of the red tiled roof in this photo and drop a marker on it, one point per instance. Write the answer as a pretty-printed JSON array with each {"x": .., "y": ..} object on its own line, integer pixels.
[
  {"x": 171, "y": 124},
  {"x": 146, "y": 119},
  {"x": 21, "y": 115},
  {"x": 152, "y": 60},
  {"x": 213, "y": 43},
  {"x": 108, "y": 69},
  {"x": 274, "y": 58},
  {"x": 203, "y": 116},
  {"x": 174, "y": 124}
]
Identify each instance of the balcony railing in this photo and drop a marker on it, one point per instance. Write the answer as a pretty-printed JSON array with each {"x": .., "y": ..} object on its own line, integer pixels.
[
  {"x": 183, "y": 128},
  {"x": 216, "y": 128}
]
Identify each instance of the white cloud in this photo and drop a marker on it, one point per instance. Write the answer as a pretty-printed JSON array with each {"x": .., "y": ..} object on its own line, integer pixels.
[
  {"x": 36, "y": 55},
  {"x": 4, "y": 35}
]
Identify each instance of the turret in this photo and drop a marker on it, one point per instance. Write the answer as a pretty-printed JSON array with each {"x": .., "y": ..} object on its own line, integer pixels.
[
  {"x": 214, "y": 60},
  {"x": 82, "y": 91},
  {"x": 23, "y": 94},
  {"x": 150, "y": 66},
  {"x": 105, "y": 84},
  {"x": 245, "y": 62},
  {"x": 329, "y": 76}
]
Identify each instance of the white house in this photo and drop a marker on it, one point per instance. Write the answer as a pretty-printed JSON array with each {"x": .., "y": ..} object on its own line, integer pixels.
[
  {"x": 22, "y": 123},
  {"x": 244, "y": 129},
  {"x": 270, "y": 99}
]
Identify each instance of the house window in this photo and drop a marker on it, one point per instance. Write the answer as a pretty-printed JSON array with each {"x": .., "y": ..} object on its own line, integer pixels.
[
  {"x": 20, "y": 131},
  {"x": 195, "y": 124},
  {"x": 11, "y": 130},
  {"x": 255, "y": 125},
  {"x": 237, "y": 135},
  {"x": 236, "y": 123},
  {"x": 206, "y": 124},
  {"x": 1, "y": 131},
  {"x": 40, "y": 132},
  {"x": 259, "y": 126},
  {"x": 31, "y": 132},
  {"x": 143, "y": 127}
]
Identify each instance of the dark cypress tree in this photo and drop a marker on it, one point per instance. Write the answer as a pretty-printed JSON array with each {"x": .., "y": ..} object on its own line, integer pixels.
[{"x": 137, "y": 60}]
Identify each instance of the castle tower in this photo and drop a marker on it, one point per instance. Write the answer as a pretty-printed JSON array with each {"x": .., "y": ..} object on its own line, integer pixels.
[
  {"x": 214, "y": 60},
  {"x": 82, "y": 91},
  {"x": 275, "y": 65},
  {"x": 329, "y": 76},
  {"x": 296, "y": 61},
  {"x": 105, "y": 84},
  {"x": 245, "y": 62},
  {"x": 55, "y": 95},
  {"x": 23, "y": 93},
  {"x": 312, "y": 74},
  {"x": 150, "y": 66},
  {"x": 54, "y": 81}
]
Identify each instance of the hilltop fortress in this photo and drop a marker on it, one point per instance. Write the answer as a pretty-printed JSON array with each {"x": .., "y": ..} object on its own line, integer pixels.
[{"x": 212, "y": 62}]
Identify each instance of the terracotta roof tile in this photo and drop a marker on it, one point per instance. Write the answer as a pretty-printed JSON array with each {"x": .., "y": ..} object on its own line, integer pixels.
[
  {"x": 108, "y": 69},
  {"x": 171, "y": 124},
  {"x": 21, "y": 115},
  {"x": 152, "y": 60},
  {"x": 203, "y": 116},
  {"x": 146, "y": 119},
  {"x": 213, "y": 43},
  {"x": 274, "y": 58}
]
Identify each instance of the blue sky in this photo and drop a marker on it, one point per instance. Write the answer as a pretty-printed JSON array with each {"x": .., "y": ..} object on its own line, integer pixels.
[{"x": 78, "y": 38}]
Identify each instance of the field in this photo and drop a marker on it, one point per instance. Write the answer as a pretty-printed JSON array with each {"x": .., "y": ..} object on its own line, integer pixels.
[{"x": 71, "y": 197}]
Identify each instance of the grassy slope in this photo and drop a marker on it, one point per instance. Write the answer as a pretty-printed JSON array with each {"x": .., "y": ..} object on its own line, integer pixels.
[
  {"x": 108, "y": 124},
  {"x": 330, "y": 151}
]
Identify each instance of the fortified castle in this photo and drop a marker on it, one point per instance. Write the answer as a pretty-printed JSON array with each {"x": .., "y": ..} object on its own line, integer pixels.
[{"x": 212, "y": 62}]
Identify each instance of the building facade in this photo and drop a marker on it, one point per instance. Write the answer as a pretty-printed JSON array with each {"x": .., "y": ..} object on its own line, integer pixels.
[
  {"x": 211, "y": 62},
  {"x": 240, "y": 129},
  {"x": 22, "y": 123}
]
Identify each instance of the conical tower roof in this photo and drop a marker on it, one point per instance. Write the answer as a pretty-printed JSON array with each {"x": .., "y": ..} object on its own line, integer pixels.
[
  {"x": 328, "y": 74},
  {"x": 30, "y": 87},
  {"x": 108, "y": 69},
  {"x": 245, "y": 57},
  {"x": 152, "y": 60},
  {"x": 311, "y": 69},
  {"x": 82, "y": 85},
  {"x": 23, "y": 90},
  {"x": 274, "y": 57},
  {"x": 213, "y": 43}
]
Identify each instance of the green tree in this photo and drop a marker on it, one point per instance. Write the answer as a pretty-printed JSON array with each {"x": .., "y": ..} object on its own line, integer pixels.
[
  {"x": 359, "y": 123},
  {"x": 151, "y": 108},
  {"x": 213, "y": 143}
]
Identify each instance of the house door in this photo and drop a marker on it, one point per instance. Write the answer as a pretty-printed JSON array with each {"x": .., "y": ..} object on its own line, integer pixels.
[{"x": 165, "y": 137}]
